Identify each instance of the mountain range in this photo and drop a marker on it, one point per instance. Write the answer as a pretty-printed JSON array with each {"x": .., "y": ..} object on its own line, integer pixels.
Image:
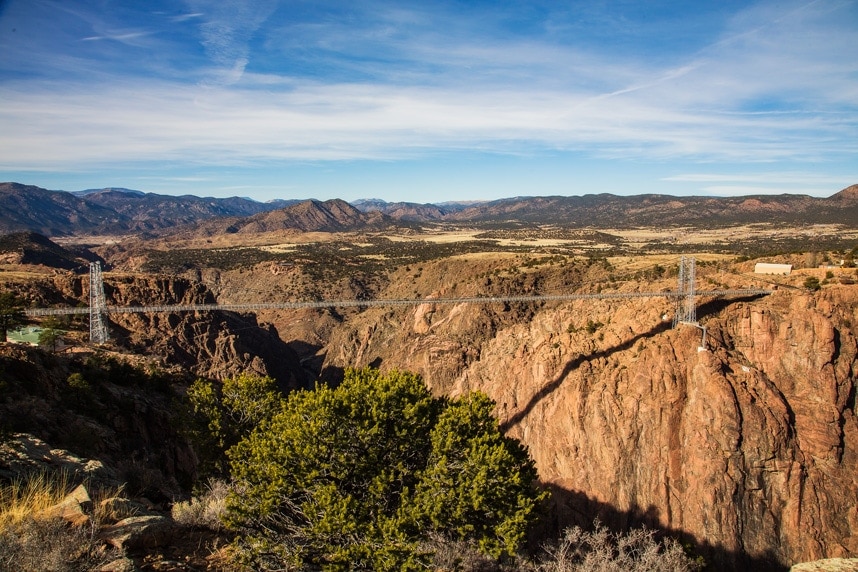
[
  {"x": 112, "y": 210},
  {"x": 124, "y": 211},
  {"x": 614, "y": 211}
]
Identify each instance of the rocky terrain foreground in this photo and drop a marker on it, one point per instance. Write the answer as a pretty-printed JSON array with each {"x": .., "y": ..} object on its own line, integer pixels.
[{"x": 124, "y": 534}]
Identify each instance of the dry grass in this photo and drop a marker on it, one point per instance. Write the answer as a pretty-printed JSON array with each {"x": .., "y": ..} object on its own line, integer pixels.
[
  {"x": 32, "y": 540},
  {"x": 460, "y": 556},
  {"x": 18, "y": 273},
  {"x": 30, "y": 498},
  {"x": 279, "y": 248},
  {"x": 52, "y": 546},
  {"x": 23, "y": 499},
  {"x": 691, "y": 235}
]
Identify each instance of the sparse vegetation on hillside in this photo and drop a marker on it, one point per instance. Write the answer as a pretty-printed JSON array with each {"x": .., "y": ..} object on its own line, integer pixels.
[
  {"x": 98, "y": 406},
  {"x": 322, "y": 260}
]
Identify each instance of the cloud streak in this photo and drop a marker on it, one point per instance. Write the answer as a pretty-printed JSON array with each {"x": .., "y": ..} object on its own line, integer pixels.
[
  {"x": 227, "y": 29},
  {"x": 349, "y": 121},
  {"x": 266, "y": 83}
]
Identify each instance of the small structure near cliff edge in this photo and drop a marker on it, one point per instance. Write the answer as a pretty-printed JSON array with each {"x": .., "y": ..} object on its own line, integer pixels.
[{"x": 769, "y": 268}]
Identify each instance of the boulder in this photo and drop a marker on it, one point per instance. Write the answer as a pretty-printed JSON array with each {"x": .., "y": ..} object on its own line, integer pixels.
[
  {"x": 139, "y": 532},
  {"x": 26, "y": 454},
  {"x": 74, "y": 508},
  {"x": 828, "y": 565}
]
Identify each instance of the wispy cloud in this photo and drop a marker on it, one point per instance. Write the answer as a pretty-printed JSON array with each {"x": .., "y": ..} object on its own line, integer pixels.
[
  {"x": 326, "y": 122},
  {"x": 777, "y": 177},
  {"x": 184, "y": 17},
  {"x": 763, "y": 183},
  {"x": 388, "y": 81},
  {"x": 227, "y": 28},
  {"x": 124, "y": 37},
  {"x": 743, "y": 190}
]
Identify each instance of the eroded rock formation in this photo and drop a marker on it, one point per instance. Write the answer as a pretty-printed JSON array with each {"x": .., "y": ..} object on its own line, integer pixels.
[
  {"x": 747, "y": 448},
  {"x": 209, "y": 344}
]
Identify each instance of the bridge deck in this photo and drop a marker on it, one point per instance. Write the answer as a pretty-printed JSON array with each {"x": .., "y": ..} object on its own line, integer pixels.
[{"x": 35, "y": 312}]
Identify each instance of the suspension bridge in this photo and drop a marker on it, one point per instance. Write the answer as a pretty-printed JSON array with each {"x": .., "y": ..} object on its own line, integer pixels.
[{"x": 685, "y": 298}]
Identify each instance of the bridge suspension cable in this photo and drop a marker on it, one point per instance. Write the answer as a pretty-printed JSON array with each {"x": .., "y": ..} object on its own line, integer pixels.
[
  {"x": 35, "y": 312},
  {"x": 98, "y": 310}
]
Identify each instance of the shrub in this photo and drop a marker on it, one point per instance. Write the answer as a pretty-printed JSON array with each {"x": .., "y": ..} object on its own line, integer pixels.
[
  {"x": 221, "y": 417},
  {"x": 478, "y": 484},
  {"x": 204, "y": 511},
  {"x": 812, "y": 283},
  {"x": 77, "y": 382},
  {"x": 592, "y": 326},
  {"x": 603, "y": 551},
  {"x": 350, "y": 478}
]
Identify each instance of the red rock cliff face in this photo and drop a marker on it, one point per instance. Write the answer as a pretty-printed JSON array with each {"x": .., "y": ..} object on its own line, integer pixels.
[
  {"x": 215, "y": 345},
  {"x": 748, "y": 448}
]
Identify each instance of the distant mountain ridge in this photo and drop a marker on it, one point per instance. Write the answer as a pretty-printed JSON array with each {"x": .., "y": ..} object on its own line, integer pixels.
[
  {"x": 149, "y": 211},
  {"x": 125, "y": 211},
  {"x": 311, "y": 215},
  {"x": 607, "y": 210},
  {"x": 112, "y": 210},
  {"x": 53, "y": 213},
  {"x": 88, "y": 192},
  {"x": 414, "y": 212}
]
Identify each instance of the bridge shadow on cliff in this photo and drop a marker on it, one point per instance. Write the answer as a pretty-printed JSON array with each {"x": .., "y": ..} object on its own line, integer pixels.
[
  {"x": 715, "y": 306},
  {"x": 574, "y": 508},
  {"x": 707, "y": 309},
  {"x": 574, "y": 364}
]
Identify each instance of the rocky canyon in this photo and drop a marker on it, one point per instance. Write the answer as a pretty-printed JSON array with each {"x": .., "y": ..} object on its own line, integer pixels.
[
  {"x": 744, "y": 445},
  {"x": 737, "y": 435}
]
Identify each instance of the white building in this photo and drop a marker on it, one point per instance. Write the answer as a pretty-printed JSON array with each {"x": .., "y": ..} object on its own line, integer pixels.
[{"x": 768, "y": 268}]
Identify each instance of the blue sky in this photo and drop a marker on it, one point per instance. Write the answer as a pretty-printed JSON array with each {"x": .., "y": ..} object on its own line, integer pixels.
[{"x": 430, "y": 101}]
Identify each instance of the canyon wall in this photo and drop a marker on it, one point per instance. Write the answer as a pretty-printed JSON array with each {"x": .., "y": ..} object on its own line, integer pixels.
[
  {"x": 747, "y": 448},
  {"x": 211, "y": 344}
]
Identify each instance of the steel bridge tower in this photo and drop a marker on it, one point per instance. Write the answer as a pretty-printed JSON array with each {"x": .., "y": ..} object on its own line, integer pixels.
[
  {"x": 97, "y": 305},
  {"x": 686, "y": 310}
]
